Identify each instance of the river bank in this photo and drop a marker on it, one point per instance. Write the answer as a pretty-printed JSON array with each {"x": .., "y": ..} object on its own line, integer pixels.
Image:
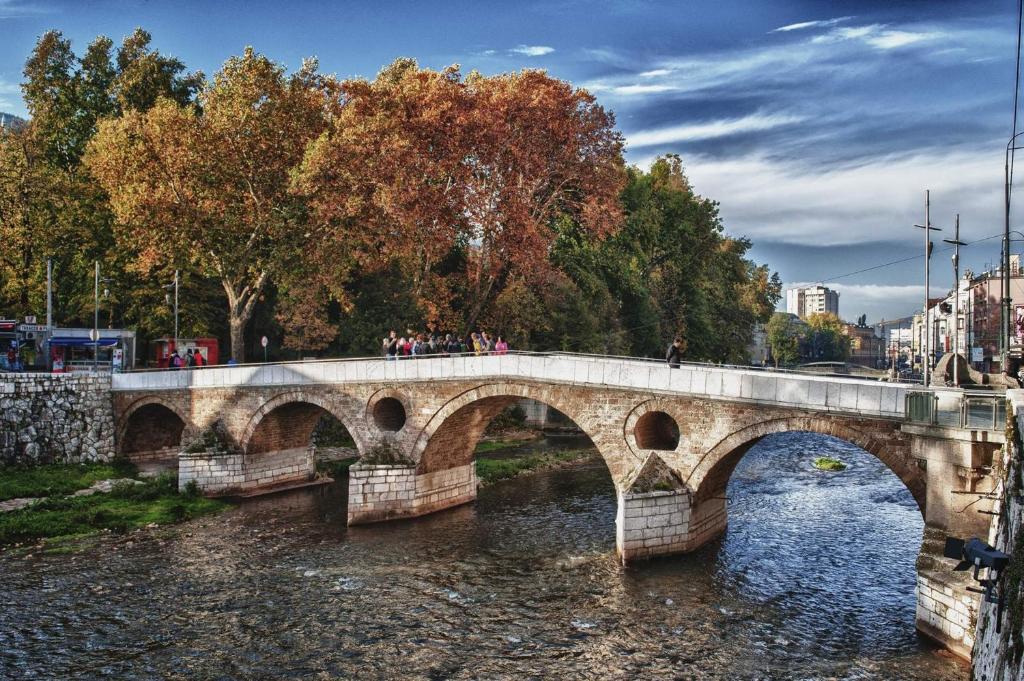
[{"x": 60, "y": 502}]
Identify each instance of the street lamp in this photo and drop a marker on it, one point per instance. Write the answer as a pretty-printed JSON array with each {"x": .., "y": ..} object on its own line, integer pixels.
[
  {"x": 96, "y": 317},
  {"x": 1005, "y": 314},
  {"x": 956, "y": 243},
  {"x": 926, "y": 359},
  {"x": 174, "y": 285}
]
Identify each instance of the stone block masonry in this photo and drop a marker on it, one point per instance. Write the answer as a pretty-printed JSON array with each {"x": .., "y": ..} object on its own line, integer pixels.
[
  {"x": 946, "y": 611},
  {"x": 650, "y": 524},
  {"x": 377, "y": 492},
  {"x": 61, "y": 418},
  {"x": 219, "y": 473}
]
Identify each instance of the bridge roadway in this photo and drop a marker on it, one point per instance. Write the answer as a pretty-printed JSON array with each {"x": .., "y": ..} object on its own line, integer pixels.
[{"x": 671, "y": 438}]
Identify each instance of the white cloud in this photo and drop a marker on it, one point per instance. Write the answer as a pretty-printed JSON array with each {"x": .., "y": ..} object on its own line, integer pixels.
[
  {"x": 631, "y": 90},
  {"x": 10, "y": 102},
  {"x": 820, "y": 23},
  {"x": 17, "y": 9},
  {"x": 877, "y": 36},
  {"x": 654, "y": 73},
  {"x": 532, "y": 50},
  {"x": 709, "y": 130},
  {"x": 877, "y": 200}
]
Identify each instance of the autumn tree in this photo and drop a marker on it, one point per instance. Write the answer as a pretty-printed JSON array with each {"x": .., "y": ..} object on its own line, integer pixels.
[
  {"x": 205, "y": 186},
  {"x": 428, "y": 163}
]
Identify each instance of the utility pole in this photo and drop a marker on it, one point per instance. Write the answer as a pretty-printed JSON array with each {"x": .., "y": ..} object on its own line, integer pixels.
[
  {"x": 96, "y": 321},
  {"x": 956, "y": 243},
  {"x": 175, "y": 309},
  {"x": 926, "y": 360},
  {"x": 49, "y": 312}
]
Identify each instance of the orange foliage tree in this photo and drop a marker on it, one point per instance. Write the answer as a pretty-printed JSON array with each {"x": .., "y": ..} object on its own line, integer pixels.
[
  {"x": 424, "y": 164},
  {"x": 205, "y": 186}
]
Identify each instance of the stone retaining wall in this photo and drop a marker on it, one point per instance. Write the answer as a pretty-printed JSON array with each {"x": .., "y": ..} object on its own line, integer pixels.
[
  {"x": 55, "y": 418},
  {"x": 999, "y": 655}
]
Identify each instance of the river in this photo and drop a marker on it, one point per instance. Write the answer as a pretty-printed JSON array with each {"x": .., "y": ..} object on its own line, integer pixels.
[{"x": 814, "y": 580}]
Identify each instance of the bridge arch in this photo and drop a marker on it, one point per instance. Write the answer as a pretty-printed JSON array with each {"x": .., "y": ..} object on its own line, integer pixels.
[
  {"x": 711, "y": 474},
  {"x": 150, "y": 425},
  {"x": 450, "y": 437},
  {"x": 287, "y": 421}
]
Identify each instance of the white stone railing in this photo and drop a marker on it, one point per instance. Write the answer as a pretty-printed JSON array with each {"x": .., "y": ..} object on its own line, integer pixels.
[{"x": 806, "y": 391}]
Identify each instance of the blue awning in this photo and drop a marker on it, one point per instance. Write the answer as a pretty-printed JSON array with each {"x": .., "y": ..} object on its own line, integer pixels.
[{"x": 72, "y": 341}]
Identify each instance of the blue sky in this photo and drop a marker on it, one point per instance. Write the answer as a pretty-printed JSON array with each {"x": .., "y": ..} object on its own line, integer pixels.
[{"x": 817, "y": 125}]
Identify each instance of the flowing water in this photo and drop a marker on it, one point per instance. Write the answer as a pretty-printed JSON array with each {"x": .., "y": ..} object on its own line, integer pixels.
[{"x": 814, "y": 580}]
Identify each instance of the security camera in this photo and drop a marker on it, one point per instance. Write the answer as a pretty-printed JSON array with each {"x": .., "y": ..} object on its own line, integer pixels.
[
  {"x": 980, "y": 555},
  {"x": 977, "y": 553}
]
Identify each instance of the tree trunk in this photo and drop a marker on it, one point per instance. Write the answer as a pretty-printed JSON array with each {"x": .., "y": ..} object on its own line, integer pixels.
[
  {"x": 237, "y": 336},
  {"x": 240, "y": 308}
]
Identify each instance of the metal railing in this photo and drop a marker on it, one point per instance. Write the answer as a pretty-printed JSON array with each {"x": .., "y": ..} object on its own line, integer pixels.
[{"x": 957, "y": 409}]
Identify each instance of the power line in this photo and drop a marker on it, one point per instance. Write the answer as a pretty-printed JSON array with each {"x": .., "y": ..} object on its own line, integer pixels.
[{"x": 901, "y": 260}]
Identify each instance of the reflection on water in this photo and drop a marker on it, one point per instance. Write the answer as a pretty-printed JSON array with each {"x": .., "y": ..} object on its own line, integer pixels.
[{"x": 814, "y": 580}]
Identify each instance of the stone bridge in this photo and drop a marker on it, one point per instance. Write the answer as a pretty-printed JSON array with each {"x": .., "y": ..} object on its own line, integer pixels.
[{"x": 670, "y": 438}]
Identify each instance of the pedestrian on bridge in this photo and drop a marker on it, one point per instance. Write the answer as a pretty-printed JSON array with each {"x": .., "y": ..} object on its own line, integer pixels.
[{"x": 675, "y": 353}]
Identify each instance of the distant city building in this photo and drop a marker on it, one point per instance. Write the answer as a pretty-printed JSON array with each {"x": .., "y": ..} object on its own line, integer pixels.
[
  {"x": 757, "y": 350},
  {"x": 867, "y": 348},
  {"x": 803, "y": 302}
]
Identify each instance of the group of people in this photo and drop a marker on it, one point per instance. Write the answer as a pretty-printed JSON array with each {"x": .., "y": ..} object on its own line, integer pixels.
[
  {"x": 191, "y": 360},
  {"x": 417, "y": 345}
]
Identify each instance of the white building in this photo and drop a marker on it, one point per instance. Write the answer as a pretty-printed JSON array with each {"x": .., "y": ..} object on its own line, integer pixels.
[{"x": 803, "y": 302}]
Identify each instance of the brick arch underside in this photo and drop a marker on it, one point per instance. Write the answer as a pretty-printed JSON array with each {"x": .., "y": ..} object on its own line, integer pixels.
[
  {"x": 288, "y": 426},
  {"x": 149, "y": 428},
  {"x": 450, "y": 437},
  {"x": 711, "y": 476}
]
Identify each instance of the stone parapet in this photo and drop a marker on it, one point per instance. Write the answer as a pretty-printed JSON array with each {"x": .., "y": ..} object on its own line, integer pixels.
[
  {"x": 55, "y": 418},
  {"x": 817, "y": 393}
]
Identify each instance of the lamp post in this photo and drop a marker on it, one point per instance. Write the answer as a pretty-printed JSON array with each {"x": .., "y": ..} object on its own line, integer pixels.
[
  {"x": 956, "y": 243},
  {"x": 96, "y": 317},
  {"x": 926, "y": 360},
  {"x": 174, "y": 285},
  {"x": 1005, "y": 313},
  {"x": 96, "y": 320}
]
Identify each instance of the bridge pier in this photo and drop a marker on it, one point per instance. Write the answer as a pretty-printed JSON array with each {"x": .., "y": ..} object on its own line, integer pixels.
[
  {"x": 665, "y": 522},
  {"x": 219, "y": 473},
  {"x": 388, "y": 492}
]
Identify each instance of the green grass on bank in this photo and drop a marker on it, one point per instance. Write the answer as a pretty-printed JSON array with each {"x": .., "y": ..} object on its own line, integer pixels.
[
  {"x": 126, "y": 507},
  {"x": 827, "y": 463},
  {"x": 492, "y": 470},
  {"x": 485, "y": 446},
  {"x": 58, "y": 479}
]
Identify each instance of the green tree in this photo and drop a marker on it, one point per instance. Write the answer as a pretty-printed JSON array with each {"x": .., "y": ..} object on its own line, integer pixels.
[
  {"x": 825, "y": 340},
  {"x": 785, "y": 334}
]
